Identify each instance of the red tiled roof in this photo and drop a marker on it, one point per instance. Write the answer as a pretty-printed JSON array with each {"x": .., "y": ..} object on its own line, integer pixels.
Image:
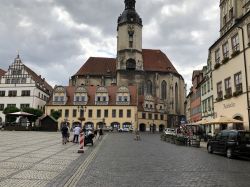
[
  {"x": 112, "y": 90},
  {"x": 38, "y": 79},
  {"x": 98, "y": 66},
  {"x": 156, "y": 60},
  {"x": 2, "y": 72}
]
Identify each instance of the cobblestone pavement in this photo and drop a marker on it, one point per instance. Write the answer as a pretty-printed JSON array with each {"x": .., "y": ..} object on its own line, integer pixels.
[
  {"x": 39, "y": 159},
  {"x": 33, "y": 158},
  {"x": 122, "y": 161}
]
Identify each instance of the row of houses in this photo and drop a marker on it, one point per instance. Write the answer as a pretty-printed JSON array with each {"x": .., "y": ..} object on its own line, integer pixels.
[{"x": 221, "y": 88}]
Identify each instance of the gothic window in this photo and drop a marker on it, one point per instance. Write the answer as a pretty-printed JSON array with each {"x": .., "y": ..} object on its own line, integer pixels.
[
  {"x": 131, "y": 64},
  {"x": 176, "y": 97},
  {"x": 149, "y": 87},
  {"x": 164, "y": 90},
  {"x": 131, "y": 40},
  {"x": 141, "y": 89}
]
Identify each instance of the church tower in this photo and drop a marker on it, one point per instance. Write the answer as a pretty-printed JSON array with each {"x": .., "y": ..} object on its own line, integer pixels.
[{"x": 129, "y": 62}]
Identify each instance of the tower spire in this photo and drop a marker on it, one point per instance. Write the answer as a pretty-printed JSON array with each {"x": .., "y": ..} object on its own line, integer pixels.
[{"x": 129, "y": 4}]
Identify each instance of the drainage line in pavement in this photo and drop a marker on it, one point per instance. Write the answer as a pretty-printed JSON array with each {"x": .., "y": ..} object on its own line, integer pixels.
[{"x": 80, "y": 171}]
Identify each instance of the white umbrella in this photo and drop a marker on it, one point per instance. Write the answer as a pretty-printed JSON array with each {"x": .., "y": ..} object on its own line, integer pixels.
[
  {"x": 201, "y": 122},
  {"x": 20, "y": 114},
  {"x": 223, "y": 119}
]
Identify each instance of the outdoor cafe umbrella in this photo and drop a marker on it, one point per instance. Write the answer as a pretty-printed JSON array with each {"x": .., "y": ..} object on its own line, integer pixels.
[
  {"x": 201, "y": 122},
  {"x": 223, "y": 120},
  {"x": 20, "y": 114}
]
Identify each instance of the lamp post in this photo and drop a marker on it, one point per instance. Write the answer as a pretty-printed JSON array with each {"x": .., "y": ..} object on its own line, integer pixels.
[
  {"x": 246, "y": 77},
  {"x": 81, "y": 118}
]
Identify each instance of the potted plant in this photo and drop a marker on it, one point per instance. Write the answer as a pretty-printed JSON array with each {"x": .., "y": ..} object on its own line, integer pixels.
[
  {"x": 217, "y": 65},
  {"x": 235, "y": 53},
  {"x": 225, "y": 60}
]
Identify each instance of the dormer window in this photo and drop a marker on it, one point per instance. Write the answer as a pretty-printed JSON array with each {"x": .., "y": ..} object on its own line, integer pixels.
[
  {"x": 101, "y": 97},
  {"x": 120, "y": 98},
  {"x": 59, "y": 96},
  {"x": 123, "y": 96},
  {"x": 80, "y": 97}
]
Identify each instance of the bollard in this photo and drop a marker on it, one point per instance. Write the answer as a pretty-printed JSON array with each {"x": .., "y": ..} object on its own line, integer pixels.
[{"x": 80, "y": 150}]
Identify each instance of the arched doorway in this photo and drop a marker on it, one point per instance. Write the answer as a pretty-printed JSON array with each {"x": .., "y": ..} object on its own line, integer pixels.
[
  {"x": 238, "y": 126},
  {"x": 161, "y": 128},
  {"x": 64, "y": 123},
  {"x": 89, "y": 125},
  {"x": 100, "y": 125},
  {"x": 126, "y": 125},
  {"x": 142, "y": 127},
  {"x": 76, "y": 123},
  {"x": 115, "y": 125}
]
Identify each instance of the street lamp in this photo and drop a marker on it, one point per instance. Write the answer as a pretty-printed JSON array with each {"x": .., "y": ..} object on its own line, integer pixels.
[
  {"x": 246, "y": 77},
  {"x": 81, "y": 118}
]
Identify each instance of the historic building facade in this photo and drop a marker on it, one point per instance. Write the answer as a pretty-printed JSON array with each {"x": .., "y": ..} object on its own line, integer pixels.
[
  {"x": 229, "y": 61},
  {"x": 21, "y": 87},
  {"x": 150, "y": 70},
  {"x": 102, "y": 106}
]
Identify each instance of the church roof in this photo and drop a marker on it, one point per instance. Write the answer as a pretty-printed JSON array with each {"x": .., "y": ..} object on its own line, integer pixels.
[
  {"x": 2, "y": 72},
  {"x": 156, "y": 60},
  {"x": 98, "y": 66},
  {"x": 129, "y": 15}
]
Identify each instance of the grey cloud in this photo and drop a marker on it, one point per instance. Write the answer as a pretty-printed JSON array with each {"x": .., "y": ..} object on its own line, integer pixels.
[{"x": 33, "y": 27}]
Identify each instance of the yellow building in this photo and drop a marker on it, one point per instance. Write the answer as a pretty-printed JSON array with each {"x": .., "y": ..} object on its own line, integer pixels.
[
  {"x": 104, "y": 107},
  {"x": 229, "y": 60}
]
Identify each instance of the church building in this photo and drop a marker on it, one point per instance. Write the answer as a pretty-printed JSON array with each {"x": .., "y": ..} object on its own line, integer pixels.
[{"x": 160, "y": 88}]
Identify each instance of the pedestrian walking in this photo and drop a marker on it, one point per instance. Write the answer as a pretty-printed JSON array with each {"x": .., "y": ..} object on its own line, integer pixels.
[
  {"x": 64, "y": 131},
  {"x": 100, "y": 133},
  {"x": 68, "y": 135},
  {"x": 137, "y": 135},
  {"x": 76, "y": 131},
  {"x": 95, "y": 132}
]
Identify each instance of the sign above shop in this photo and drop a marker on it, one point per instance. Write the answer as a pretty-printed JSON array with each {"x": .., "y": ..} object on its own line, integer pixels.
[{"x": 229, "y": 105}]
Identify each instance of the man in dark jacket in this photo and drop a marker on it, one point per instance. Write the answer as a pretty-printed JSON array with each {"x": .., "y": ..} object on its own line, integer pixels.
[{"x": 64, "y": 131}]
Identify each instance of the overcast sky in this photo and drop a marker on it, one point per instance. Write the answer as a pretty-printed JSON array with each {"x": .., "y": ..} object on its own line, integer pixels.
[{"x": 55, "y": 37}]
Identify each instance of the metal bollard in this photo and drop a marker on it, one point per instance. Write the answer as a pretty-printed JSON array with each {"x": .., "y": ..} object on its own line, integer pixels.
[{"x": 80, "y": 150}]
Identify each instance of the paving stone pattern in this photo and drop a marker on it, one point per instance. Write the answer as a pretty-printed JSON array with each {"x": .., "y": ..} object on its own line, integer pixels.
[
  {"x": 33, "y": 158},
  {"x": 122, "y": 161},
  {"x": 39, "y": 159}
]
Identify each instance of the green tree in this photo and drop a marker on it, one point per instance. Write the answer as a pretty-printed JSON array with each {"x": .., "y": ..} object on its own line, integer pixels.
[
  {"x": 8, "y": 110},
  {"x": 36, "y": 113},
  {"x": 56, "y": 114}
]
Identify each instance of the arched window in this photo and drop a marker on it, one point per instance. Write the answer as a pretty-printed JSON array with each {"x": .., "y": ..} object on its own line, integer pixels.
[
  {"x": 176, "y": 97},
  {"x": 141, "y": 89},
  {"x": 164, "y": 90},
  {"x": 149, "y": 87},
  {"x": 130, "y": 64}
]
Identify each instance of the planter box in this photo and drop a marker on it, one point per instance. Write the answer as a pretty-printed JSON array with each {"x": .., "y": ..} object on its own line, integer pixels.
[
  {"x": 177, "y": 142},
  {"x": 195, "y": 143}
]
